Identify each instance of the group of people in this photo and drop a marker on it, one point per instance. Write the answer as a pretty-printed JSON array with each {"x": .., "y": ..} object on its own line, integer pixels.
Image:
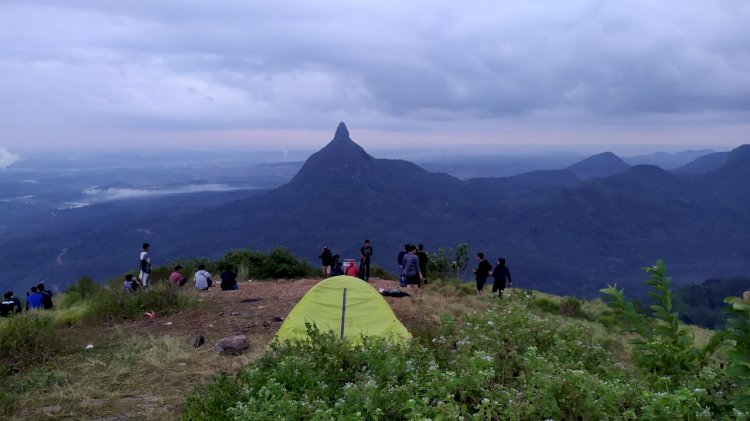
[
  {"x": 412, "y": 263},
  {"x": 333, "y": 266},
  {"x": 500, "y": 273},
  {"x": 202, "y": 279},
  {"x": 38, "y": 297}
]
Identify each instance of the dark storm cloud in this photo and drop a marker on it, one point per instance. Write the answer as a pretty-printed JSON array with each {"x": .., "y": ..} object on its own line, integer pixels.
[{"x": 238, "y": 64}]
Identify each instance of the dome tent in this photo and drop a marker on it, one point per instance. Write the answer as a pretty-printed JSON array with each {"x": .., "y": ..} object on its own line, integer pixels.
[{"x": 347, "y": 306}]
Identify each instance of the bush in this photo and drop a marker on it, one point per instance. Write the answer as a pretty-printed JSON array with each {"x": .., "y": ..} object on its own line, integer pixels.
[
  {"x": 28, "y": 339},
  {"x": 279, "y": 263},
  {"x": 81, "y": 290},
  {"x": 114, "y": 303},
  {"x": 379, "y": 272},
  {"x": 503, "y": 364}
]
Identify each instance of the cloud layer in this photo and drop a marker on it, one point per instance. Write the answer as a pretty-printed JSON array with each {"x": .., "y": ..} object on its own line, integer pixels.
[
  {"x": 7, "y": 159},
  {"x": 81, "y": 68}
]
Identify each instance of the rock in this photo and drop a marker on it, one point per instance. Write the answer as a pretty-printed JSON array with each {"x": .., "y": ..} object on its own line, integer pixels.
[
  {"x": 278, "y": 319},
  {"x": 232, "y": 345},
  {"x": 197, "y": 341},
  {"x": 235, "y": 313}
]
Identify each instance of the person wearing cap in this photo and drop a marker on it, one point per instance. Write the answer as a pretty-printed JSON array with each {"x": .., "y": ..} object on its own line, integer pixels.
[{"x": 10, "y": 305}]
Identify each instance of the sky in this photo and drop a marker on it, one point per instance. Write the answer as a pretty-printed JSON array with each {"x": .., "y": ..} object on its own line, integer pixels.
[{"x": 496, "y": 75}]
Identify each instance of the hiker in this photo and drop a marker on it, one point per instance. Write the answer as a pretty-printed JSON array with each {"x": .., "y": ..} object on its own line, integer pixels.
[
  {"x": 145, "y": 265},
  {"x": 352, "y": 270},
  {"x": 176, "y": 278},
  {"x": 10, "y": 305},
  {"x": 47, "y": 294},
  {"x": 364, "y": 264},
  {"x": 500, "y": 273},
  {"x": 411, "y": 273},
  {"x": 337, "y": 269},
  {"x": 422, "y": 261},
  {"x": 400, "y": 259},
  {"x": 229, "y": 279},
  {"x": 326, "y": 258},
  {"x": 335, "y": 262},
  {"x": 482, "y": 272},
  {"x": 34, "y": 300},
  {"x": 202, "y": 278},
  {"x": 131, "y": 285}
]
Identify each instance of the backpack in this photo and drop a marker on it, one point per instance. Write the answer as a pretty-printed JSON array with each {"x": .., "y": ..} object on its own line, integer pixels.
[{"x": 410, "y": 265}]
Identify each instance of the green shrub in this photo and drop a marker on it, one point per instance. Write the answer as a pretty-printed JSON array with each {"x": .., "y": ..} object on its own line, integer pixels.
[
  {"x": 573, "y": 307},
  {"x": 81, "y": 290},
  {"x": 279, "y": 263},
  {"x": 378, "y": 272},
  {"x": 7, "y": 403},
  {"x": 546, "y": 305},
  {"x": 113, "y": 303},
  {"x": 738, "y": 327},
  {"x": 28, "y": 339},
  {"x": 503, "y": 364}
]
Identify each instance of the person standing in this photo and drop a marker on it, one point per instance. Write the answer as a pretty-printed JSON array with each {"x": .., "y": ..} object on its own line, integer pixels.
[
  {"x": 145, "y": 264},
  {"x": 47, "y": 296},
  {"x": 423, "y": 259},
  {"x": 326, "y": 258},
  {"x": 410, "y": 271},
  {"x": 400, "y": 259},
  {"x": 34, "y": 300},
  {"x": 364, "y": 264},
  {"x": 500, "y": 273},
  {"x": 482, "y": 272}
]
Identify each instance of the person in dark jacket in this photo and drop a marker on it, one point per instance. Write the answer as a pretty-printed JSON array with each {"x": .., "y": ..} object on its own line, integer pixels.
[
  {"x": 400, "y": 260},
  {"x": 229, "y": 279},
  {"x": 34, "y": 300},
  {"x": 423, "y": 259},
  {"x": 47, "y": 294},
  {"x": 10, "y": 305},
  {"x": 364, "y": 264},
  {"x": 482, "y": 272},
  {"x": 500, "y": 273},
  {"x": 326, "y": 258}
]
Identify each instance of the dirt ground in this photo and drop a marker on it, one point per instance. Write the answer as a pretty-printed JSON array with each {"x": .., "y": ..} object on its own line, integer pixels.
[{"x": 167, "y": 368}]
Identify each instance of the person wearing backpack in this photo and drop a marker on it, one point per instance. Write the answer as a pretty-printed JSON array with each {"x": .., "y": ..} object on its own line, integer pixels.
[
  {"x": 400, "y": 260},
  {"x": 411, "y": 273},
  {"x": 202, "y": 278},
  {"x": 326, "y": 259},
  {"x": 145, "y": 264}
]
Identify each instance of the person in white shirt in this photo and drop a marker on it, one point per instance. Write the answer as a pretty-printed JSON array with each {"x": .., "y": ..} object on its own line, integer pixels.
[
  {"x": 202, "y": 279},
  {"x": 145, "y": 262}
]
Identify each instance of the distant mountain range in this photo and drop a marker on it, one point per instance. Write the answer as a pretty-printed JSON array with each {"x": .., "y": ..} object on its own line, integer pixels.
[{"x": 567, "y": 231}]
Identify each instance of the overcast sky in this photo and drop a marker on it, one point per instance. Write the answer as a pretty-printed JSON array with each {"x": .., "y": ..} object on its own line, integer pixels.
[{"x": 240, "y": 74}]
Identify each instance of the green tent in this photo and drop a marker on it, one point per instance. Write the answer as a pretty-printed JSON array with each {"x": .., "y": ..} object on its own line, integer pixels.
[{"x": 346, "y": 305}]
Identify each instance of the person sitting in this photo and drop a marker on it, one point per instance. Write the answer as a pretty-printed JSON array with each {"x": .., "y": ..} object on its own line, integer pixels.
[
  {"x": 352, "y": 270},
  {"x": 34, "y": 300},
  {"x": 10, "y": 305},
  {"x": 47, "y": 294},
  {"x": 176, "y": 278},
  {"x": 131, "y": 285},
  {"x": 229, "y": 279},
  {"x": 338, "y": 269},
  {"x": 202, "y": 278}
]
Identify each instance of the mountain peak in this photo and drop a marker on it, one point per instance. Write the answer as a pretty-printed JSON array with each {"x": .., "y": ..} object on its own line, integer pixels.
[
  {"x": 739, "y": 155},
  {"x": 599, "y": 166},
  {"x": 342, "y": 133}
]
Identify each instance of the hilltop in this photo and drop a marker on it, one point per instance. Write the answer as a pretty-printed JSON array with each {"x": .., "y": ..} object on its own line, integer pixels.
[{"x": 547, "y": 350}]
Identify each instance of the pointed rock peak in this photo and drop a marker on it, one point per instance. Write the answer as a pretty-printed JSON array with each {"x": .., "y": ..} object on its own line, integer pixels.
[{"x": 342, "y": 133}]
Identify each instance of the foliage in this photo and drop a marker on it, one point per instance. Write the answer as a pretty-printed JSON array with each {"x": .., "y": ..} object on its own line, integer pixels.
[
  {"x": 703, "y": 304},
  {"x": 504, "y": 363},
  {"x": 663, "y": 347},
  {"x": 738, "y": 327},
  {"x": 448, "y": 263},
  {"x": 279, "y": 263},
  {"x": 82, "y": 289},
  {"x": 113, "y": 303},
  {"x": 28, "y": 339},
  {"x": 378, "y": 272}
]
